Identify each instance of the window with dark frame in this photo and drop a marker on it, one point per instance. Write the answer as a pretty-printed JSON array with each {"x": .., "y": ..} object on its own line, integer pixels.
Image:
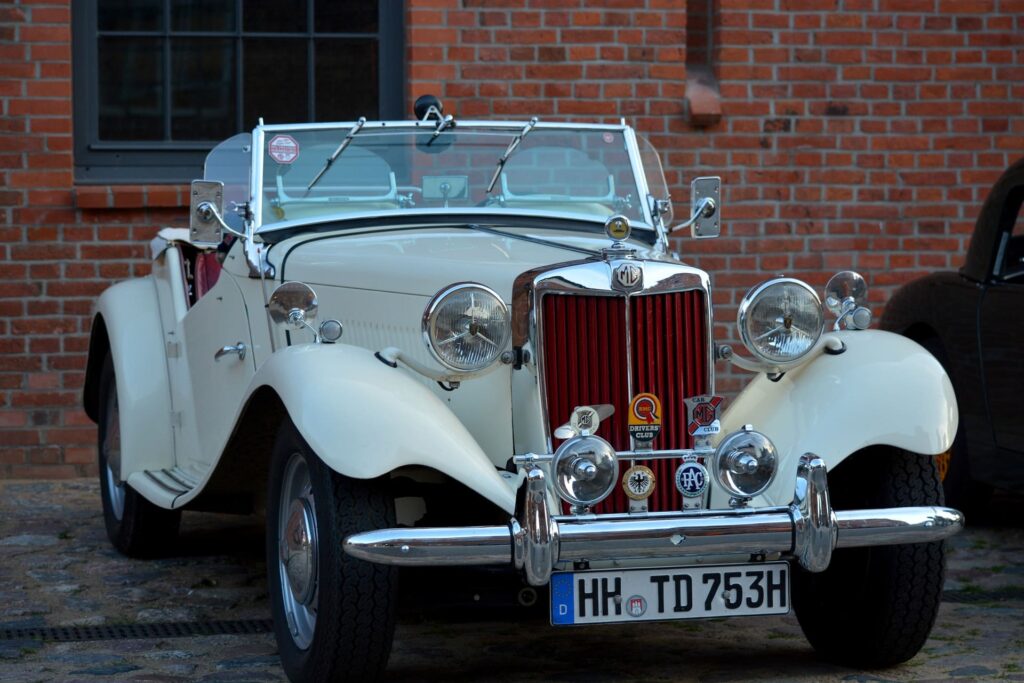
[{"x": 158, "y": 82}]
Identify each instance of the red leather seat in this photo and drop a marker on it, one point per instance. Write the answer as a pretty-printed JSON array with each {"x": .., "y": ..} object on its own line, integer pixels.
[{"x": 207, "y": 272}]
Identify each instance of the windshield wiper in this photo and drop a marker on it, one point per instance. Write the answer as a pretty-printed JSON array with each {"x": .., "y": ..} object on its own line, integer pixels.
[
  {"x": 508, "y": 151},
  {"x": 337, "y": 153}
]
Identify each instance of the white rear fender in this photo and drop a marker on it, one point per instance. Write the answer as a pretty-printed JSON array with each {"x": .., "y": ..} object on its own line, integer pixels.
[
  {"x": 131, "y": 316},
  {"x": 882, "y": 390},
  {"x": 365, "y": 419}
]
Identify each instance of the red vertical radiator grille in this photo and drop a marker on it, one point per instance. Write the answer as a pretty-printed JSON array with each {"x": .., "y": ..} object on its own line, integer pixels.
[{"x": 586, "y": 360}]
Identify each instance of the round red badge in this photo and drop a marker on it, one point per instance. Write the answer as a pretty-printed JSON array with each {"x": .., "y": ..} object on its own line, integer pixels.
[{"x": 283, "y": 149}]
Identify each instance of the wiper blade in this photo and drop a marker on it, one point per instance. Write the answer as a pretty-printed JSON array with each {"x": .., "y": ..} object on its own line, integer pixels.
[
  {"x": 337, "y": 153},
  {"x": 508, "y": 151}
]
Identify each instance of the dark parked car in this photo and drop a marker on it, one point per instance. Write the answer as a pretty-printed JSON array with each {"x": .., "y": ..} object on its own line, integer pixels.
[{"x": 973, "y": 322}]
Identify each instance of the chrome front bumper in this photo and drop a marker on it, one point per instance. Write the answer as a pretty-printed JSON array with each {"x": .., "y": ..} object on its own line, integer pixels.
[{"x": 807, "y": 530}]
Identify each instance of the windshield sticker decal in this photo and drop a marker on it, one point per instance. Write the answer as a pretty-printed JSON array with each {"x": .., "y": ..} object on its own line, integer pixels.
[{"x": 283, "y": 149}]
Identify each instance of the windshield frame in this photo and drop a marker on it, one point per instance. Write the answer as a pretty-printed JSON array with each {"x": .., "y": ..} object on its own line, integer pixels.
[{"x": 259, "y": 138}]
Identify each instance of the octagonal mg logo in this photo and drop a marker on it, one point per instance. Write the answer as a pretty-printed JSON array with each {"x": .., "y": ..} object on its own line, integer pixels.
[{"x": 628, "y": 276}]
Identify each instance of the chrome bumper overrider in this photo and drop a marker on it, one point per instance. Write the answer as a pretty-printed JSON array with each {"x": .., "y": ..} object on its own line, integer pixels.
[{"x": 807, "y": 531}]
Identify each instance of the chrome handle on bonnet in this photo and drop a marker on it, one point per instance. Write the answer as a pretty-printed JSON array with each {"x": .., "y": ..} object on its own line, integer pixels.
[{"x": 238, "y": 348}]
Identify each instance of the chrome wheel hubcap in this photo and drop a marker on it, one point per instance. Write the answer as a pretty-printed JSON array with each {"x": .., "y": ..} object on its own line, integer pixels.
[{"x": 297, "y": 551}]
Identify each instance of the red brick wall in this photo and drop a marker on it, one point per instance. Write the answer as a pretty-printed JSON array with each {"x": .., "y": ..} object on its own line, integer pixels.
[{"x": 857, "y": 134}]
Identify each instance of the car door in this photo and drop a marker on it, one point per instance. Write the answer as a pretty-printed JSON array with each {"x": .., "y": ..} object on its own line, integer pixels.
[{"x": 1001, "y": 329}]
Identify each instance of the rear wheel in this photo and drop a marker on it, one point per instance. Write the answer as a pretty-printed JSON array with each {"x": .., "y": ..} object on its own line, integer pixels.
[
  {"x": 334, "y": 615},
  {"x": 135, "y": 526},
  {"x": 875, "y": 607}
]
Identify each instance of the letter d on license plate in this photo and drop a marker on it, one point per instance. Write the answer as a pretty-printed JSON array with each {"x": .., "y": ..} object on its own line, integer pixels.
[{"x": 601, "y": 597}]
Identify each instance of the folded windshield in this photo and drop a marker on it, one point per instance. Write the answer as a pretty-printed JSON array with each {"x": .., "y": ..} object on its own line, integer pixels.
[{"x": 581, "y": 172}]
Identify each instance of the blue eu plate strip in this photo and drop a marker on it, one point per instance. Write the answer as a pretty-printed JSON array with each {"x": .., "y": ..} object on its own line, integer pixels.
[{"x": 562, "y": 599}]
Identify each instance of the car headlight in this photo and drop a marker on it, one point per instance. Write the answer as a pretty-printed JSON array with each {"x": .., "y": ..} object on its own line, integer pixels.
[
  {"x": 585, "y": 470},
  {"x": 745, "y": 463},
  {"x": 466, "y": 326},
  {"x": 780, "y": 320}
]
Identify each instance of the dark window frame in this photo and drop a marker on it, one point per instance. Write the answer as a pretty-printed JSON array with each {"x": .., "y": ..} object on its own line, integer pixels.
[{"x": 99, "y": 162}]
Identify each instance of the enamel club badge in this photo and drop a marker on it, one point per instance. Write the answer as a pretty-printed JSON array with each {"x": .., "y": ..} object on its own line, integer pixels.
[
  {"x": 692, "y": 479},
  {"x": 638, "y": 482},
  {"x": 702, "y": 415},
  {"x": 644, "y": 417}
]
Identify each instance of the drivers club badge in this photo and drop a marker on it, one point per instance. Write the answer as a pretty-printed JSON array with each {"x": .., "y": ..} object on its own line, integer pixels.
[
  {"x": 644, "y": 417},
  {"x": 638, "y": 482},
  {"x": 702, "y": 415}
]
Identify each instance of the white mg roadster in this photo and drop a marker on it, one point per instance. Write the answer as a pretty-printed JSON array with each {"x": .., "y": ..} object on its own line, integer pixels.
[{"x": 443, "y": 342}]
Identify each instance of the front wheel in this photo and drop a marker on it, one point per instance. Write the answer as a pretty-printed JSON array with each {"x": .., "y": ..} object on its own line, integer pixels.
[
  {"x": 334, "y": 615},
  {"x": 875, "y": 607}
]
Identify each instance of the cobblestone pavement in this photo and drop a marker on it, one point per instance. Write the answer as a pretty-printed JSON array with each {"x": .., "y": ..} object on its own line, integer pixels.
[{"x": 57, "y": 569}]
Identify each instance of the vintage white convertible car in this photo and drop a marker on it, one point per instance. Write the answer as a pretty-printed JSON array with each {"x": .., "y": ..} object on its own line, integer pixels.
[{"x": 441, "y": 342}]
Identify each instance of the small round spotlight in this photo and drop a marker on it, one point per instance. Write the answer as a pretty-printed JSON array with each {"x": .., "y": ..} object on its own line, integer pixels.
[
  {"x": 585, "y": 470},
  {"x": 745, "y": 463}
]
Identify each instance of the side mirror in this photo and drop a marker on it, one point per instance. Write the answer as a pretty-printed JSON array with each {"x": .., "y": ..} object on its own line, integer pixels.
[
  {"x": 705, "y": 208},
  {"x": 293, "y": 304},
  {"x": 206, "y": 208}
]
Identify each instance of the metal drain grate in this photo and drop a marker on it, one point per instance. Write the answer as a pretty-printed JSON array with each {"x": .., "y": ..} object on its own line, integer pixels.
[
  {"x": 180, "y": 629},
  {"x": 1011, "y": 593}
]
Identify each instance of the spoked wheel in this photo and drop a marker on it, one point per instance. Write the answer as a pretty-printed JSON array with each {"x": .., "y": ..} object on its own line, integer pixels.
[
  {"x": 135, "y": 526},
  {"x": 334, "y": 615}
]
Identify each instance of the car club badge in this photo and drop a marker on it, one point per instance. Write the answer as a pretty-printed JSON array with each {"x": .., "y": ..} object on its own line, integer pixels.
[
  {"x": 692, "y": 478},
  {"x": 638, "y": 482},
  {"x": 584, "y": 420},
  {"x": 702, "y": 415},
  {"x": 644, "y": 419}
]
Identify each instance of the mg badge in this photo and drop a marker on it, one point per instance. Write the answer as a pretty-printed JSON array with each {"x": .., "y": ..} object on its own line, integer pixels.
[
  {"x": 628, "y": 276},
  {"x": 636, "y": 606},
  {"x": 638, "y": 482},
  {"x": 692, "y": 479},
  {"x": 702, "y": 415},
  {"x": 584, "y": 420}
]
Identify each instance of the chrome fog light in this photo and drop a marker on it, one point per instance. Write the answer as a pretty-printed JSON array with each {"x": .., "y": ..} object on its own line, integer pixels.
[
  {"x": 585, "y": 470},
  {"x": 745, "y": 463}
]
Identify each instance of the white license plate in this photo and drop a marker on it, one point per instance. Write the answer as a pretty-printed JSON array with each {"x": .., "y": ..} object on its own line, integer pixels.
[{"x": 603, "y": 597}]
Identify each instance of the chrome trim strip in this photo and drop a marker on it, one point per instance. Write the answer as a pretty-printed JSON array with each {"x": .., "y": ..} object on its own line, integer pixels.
[{"x": 508, "y": 124}]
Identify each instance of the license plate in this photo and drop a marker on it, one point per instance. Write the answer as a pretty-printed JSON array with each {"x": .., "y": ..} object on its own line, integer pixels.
[{"x": 603, "y": 597}]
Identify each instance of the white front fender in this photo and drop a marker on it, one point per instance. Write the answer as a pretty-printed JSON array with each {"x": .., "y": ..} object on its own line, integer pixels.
[
  {"x": 883, "y": 390},
  {"x": 365, "y": 419}
]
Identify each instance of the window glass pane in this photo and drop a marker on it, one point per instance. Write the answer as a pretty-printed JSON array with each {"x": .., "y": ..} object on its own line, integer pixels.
[
  {"x": 202, "y": 88},
  {"x": 130, "y": 89},
  {"x": 346, "y": 79},
  {"x": 203, "y": 15},
  {"x": 275, "y": 81},
  {"x": 130, "y": 15},
  {"x": 274, "y": 16},
  {"x": 345, "y": 17}
]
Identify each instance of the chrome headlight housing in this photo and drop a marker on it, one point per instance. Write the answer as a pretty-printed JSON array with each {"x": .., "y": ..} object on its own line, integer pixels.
[
  {"x": 780, "y": 320},
  {"x": 585, "y": 470},
  {"x": 745, "y": 463},
  {"x": 466, "y": 326}
]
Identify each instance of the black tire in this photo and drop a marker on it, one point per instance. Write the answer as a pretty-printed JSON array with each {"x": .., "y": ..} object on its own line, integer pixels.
[
  {"x": 353, "y": 601},
  {"x": 135, "y": 526},
  {"x": 961, "y": 490},
  {"x": 875, "y": 607}
]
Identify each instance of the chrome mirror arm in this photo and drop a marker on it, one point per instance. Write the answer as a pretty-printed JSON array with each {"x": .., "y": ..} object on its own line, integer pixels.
[
  {"x": 705, "y": 209},
  {"x": 207, "y": 211}
]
